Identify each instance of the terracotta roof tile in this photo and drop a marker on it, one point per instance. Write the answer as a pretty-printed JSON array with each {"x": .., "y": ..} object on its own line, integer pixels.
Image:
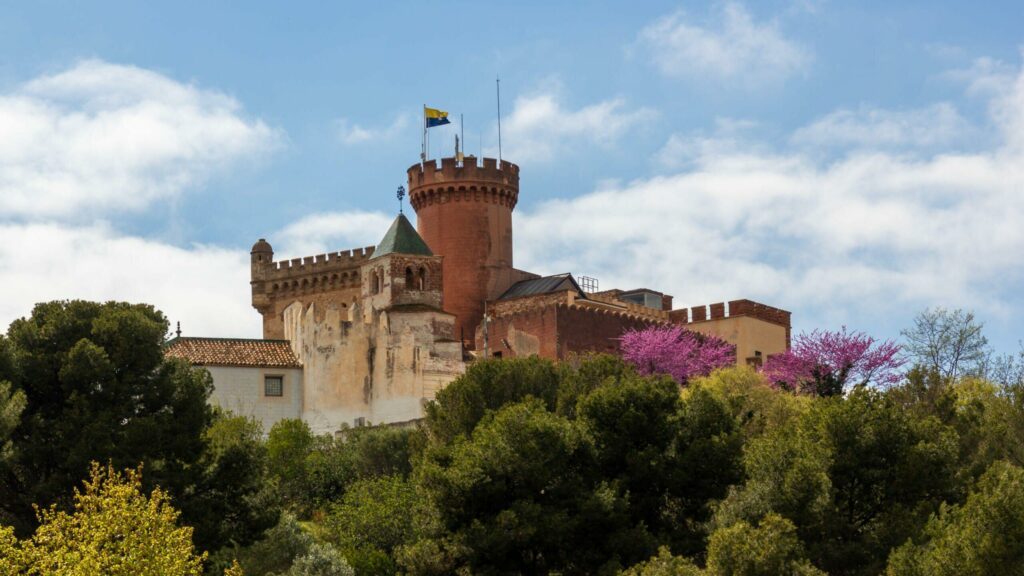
[{"x": 233, "y": 352}]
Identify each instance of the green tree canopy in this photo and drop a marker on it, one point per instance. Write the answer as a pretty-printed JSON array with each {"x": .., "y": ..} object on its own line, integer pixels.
[
  {"x": 984, "y": 536},
  {"x": 857, "y": 475}
]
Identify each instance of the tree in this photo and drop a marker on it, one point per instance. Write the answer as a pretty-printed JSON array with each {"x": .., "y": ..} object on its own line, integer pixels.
[
  {"x": 771, "y": 548},
  {"x": 320, "y": 560},
  {"x": 274, "y": 553},
  {"x": 12, "y": 404},
  {"x": 289, "y": 445},
  {"x": 514, "y": 497},
  {"x": 857, "y": 475},
  {"x": 950, "y": 342},
  {"x": 373, "y": 518},
  {"x": 824, "y": 363},
  {"x": 984, "y": 536},
  {"x": 755, "y": 406},
  {"x": 97, "y": 388},
  {"x": 675, "y": 351},
  {"x": 230, "y": 500},
  {"x": 114, "y": 529},
  {"x": 665, "y": 564},
  {"x": 364, "y": 452},
  {"x": 486, "y": 387}
]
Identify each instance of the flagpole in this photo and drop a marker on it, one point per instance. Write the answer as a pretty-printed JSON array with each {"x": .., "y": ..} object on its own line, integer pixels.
[
  {"x": 423, "y": 145},
  {"x": 497, "y": 81}
]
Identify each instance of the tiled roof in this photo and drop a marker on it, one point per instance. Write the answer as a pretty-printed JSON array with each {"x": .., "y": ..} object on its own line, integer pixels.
[
  {"x": 402, "y": 238},
  {"x": 233, "y": 352},
  {"x": 545, "y": 285}
]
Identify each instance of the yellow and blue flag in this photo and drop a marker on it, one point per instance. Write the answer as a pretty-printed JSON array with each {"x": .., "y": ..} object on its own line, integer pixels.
[{"x": 435, "y": 117}]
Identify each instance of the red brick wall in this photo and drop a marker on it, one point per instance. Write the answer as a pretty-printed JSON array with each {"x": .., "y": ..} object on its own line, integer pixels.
[
  {"x": 560, "y": 330},
  {"x": 540, "y": 322},
  {"x": 592, "y": 330},
  {"x": 464, "y": 213}
]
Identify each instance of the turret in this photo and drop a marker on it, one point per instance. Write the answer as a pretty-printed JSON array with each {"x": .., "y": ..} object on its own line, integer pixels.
[
  {"x": 261, "y": 256},
  {"x": 464, "y": 213}
]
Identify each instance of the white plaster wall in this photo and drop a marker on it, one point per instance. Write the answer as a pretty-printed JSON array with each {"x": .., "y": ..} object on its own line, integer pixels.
[{"x": 240, "y": 390}]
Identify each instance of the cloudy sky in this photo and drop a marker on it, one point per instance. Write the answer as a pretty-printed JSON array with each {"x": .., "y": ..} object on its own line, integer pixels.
[{"x": 851, "y": 162}]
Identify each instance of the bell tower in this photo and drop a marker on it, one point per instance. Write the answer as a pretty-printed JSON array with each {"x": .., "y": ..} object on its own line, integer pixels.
[{"x": 464, "y": 213}]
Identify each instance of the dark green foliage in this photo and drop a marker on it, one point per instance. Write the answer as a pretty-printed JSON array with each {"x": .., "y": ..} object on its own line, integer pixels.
[
  {"x": 515, "y": 495},
  {"x": 374, "y": 517},
  {"x": 289, "y": 445},
  {"x": 231, "y": 500},
  {"x": 581, "y": 375},
  {"x": 272, "y": 554},
  {"x": 857, "y": 475},
  {"x": 334, "y": 463},
  {"x": 487, "y": 386},
  {"x": 706, "y": 461},
  {"x": 98, "y": 389}
]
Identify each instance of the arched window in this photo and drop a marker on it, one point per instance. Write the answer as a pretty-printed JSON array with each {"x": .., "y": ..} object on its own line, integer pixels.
[
  {"x": 421, "y": 279},
  {"x": 409, "y": 280},
  {"x": 376, "y": 282}
]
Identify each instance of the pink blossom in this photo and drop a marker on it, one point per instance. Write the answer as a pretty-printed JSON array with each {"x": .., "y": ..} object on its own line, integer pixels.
[
  {"x": 675, "y": 351},
  {"x": 823, "y": 363}
]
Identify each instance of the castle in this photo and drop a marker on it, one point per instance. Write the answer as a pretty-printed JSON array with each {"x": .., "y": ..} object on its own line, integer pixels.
[{"x": 370, "y": 335}]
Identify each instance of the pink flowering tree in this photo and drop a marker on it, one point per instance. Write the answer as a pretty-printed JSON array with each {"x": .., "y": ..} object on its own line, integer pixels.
[
  {"x": 675, "y": 351},
  {"x": 823, "y": 363}
]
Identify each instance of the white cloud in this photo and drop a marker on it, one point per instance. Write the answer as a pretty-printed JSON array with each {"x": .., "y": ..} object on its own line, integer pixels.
[
  {"x": 732, "y": 47},
  {"x": 205, "y": 288},
  {"x": 871, "y": 234},
  {"x": 730, "y": 135},
  {"x": 330, "y": 231},
  {"x": 102, "y": 137},
  {"x": 540, "y": 126},
  {"x": 351, "y": 133},
  {"x": 938, "y": 124}
]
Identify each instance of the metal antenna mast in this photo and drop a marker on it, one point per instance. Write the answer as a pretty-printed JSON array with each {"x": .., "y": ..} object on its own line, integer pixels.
[{"x": 497, "y": 81}]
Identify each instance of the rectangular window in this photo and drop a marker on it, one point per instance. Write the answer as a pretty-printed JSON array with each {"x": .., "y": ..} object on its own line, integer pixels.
[{"x": 273, "y": 386}]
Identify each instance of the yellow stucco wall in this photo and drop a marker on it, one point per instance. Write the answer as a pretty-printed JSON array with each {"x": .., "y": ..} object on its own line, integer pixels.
[{"x": 748, "y": 334}]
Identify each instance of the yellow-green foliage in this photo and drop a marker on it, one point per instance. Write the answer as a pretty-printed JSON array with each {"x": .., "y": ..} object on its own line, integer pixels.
[
  {"x": 756, "y": 406},
  {"x": 11, "y": 557},
  {"x": 114, "y": 530},
  {"x": 771, "y": 548},
  {"x": 665, "y": 564}
]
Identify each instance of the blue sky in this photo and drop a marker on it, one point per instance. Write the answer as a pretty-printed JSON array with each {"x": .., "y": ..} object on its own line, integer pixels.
[{"x": 851, "y": 162}]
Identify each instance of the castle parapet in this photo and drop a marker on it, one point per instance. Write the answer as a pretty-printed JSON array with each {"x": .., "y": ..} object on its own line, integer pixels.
[
  {"x": 467, "y": 181},
  {"x": 731, "y": 309},
  {"x": 329, "y": 262}
]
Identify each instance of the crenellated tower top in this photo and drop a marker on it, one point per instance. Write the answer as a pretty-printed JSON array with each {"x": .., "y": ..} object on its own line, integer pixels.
[{"x": 489, "y": 181}]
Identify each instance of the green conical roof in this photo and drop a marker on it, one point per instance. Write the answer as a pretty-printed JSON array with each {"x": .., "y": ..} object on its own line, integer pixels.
[{"x": 402, "y": 238}]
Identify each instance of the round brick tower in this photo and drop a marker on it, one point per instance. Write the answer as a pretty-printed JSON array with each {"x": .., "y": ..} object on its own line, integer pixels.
[{"x": 464, "y": 213}]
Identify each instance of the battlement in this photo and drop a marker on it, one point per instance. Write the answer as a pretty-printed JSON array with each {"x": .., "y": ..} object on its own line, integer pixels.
[
  {"x": 732, "y": 309},
  {"x": 329, "y": 262},
  {"x": 475, "y": 179},
  {"x": 471, "y": 169}
]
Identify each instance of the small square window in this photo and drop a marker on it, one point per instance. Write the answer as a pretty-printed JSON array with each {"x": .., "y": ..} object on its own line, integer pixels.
[{"x": 273, "y": 386}]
